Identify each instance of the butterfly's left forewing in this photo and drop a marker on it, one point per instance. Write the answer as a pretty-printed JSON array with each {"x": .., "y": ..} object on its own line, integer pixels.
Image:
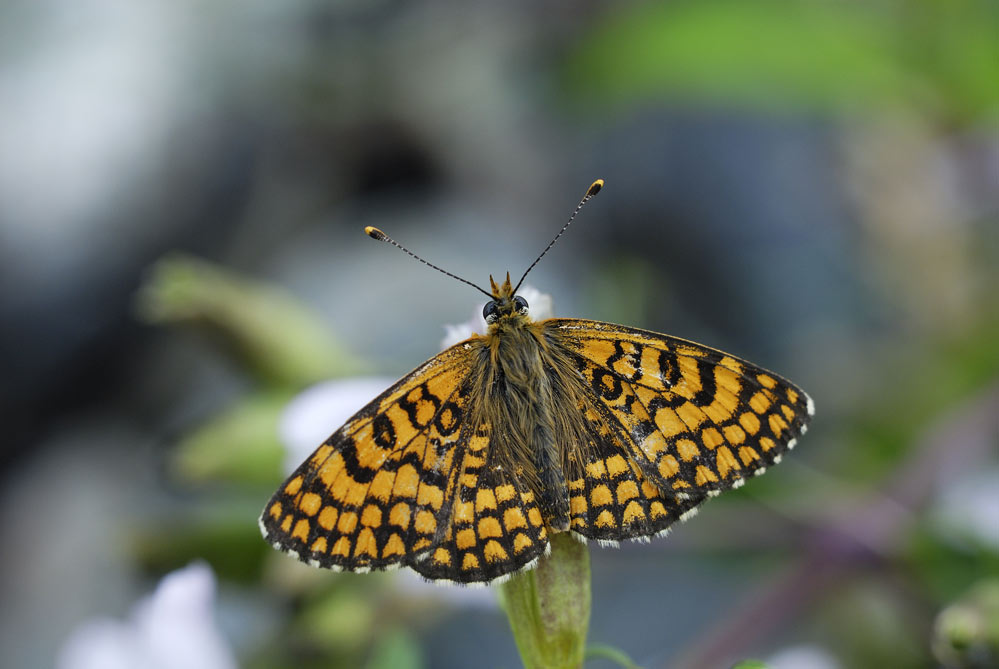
[{"x": 692, "y": 419}]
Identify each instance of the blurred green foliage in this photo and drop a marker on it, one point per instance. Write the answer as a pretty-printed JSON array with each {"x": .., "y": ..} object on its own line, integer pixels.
[
  {"x": 750, "y": 664},
  {"x": 946, "y": 569},
  {"x": 238, "y": 445},
  {"x": 217, "y": 530},
  {"x": 397, "y": 649},
  {"x": 615, "y": 655},
  {"x": 268, "y": 331},
  {"x": 929, "y": 379},
  {"x": 966, "y": 633},
  {"x": 796, "y": 56}
]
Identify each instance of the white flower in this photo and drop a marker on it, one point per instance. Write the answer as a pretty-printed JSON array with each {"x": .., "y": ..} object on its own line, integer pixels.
[
  {"x": 802, "y": 657},
  {"x": 968, "y": 509},
  {"x": 174, "y": 628}
]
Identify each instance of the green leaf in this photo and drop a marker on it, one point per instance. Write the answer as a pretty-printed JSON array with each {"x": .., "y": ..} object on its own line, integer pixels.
[
  {"x": 270, "y": 331},
  {"x": 342, "y": 619},
  {"x": 396, "y": 649},
  {"x": 239, "y": 445},
  {"x": 757, "y": 53},
  {"x": 225, "y": 535},
  {"x": 966, "y": 633},
  {"x": 606, "y": 652},
  {"x": 938, "y": 59}
]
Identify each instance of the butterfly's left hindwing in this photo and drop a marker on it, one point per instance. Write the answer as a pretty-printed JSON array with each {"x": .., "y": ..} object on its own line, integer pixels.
[
  {"x": 496, "y": 525},
  {"x": 378, "y": 492}
]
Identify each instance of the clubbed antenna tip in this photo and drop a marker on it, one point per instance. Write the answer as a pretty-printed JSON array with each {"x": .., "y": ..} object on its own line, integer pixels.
[{"x": 590, "y": 192}]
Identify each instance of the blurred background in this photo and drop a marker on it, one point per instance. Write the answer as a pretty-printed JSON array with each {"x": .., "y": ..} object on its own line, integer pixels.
[{"x": 183, "y": 186}]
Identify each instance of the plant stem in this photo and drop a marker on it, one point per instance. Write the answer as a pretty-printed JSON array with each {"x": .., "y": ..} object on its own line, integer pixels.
[{"x": 549, "y": 606}]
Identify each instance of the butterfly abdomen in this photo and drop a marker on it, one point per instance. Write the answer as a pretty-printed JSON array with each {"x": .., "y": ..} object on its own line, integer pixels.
[
  {"x": 554, "y": 495},
  {"x": 522, "y": 397}
]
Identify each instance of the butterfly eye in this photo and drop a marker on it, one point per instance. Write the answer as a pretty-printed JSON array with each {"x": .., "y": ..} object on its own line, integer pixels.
[
  {"x": 490, "y": 312},
  {"x": 521, "y": 304}
]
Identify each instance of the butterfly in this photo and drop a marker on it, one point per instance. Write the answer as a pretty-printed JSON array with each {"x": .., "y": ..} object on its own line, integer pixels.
[{"x": 465, "y": 467}]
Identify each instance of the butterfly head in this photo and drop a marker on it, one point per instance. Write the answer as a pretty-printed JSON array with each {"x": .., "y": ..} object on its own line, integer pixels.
[{"x": 504, "y": 302}]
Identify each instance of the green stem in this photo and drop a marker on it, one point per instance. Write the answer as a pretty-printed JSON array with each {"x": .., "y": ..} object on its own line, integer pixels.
[{"x": 549, "y": 606}]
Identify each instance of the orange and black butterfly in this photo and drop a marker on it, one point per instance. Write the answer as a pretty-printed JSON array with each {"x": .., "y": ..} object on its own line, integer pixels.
[{"x": 464, "y": 468}]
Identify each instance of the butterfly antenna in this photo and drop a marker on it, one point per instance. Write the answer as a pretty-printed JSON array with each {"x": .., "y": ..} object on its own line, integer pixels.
[
  {"x": 590, "y": 192},
  {"x": 375, "y": 233}
]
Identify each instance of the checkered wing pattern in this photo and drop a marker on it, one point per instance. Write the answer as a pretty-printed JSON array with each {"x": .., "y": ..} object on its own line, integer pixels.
[
  {"x": 378, "y": 493},
  {"x": 496, "y": 526},
  {"x": 406, "y": 482},
  {"x": 673, "y": 423}
]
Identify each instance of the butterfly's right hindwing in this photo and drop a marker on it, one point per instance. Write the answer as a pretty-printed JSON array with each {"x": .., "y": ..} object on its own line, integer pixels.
[
  {"x": 378, "y": 492},
  {"x": 611, "y": 496}
]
